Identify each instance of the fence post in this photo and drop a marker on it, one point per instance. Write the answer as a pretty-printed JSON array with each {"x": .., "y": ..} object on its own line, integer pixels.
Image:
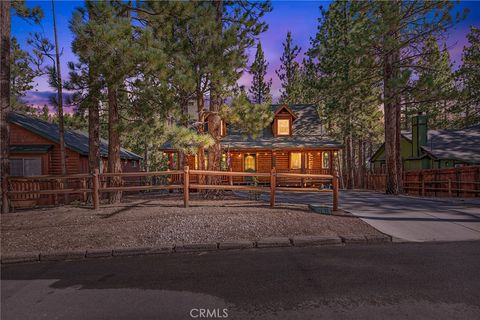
[
  {"x": 186, "y": 186},
  {"x": 273, "y": 183},
  {"x": 422, "y": 191},
  {"x": 95, "y": 193},
  {"x": 84, "y": 186},
  {"x": 230, "y": 178},
  {"x": 55, "y": 183},
  {"x": 449, "y": 187},
  {"x": 5, "y": 204},
  {"x": 335, "y": 192}
]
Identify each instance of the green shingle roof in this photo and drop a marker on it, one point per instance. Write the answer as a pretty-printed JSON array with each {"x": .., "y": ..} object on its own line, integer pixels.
[
  {"x": 74, "y": 139},
  {"x": 307, "y": 132}
]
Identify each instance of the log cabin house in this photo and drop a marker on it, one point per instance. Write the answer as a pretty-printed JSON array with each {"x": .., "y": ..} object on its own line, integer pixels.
[
  {"x": 295, "y": 141},
  {"x": 35, "y": 150}
]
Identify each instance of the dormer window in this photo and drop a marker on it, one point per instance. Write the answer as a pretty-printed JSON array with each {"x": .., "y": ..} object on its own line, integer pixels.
[
  {"x": 283, "y": 121},
  {"x": 283, "y": 127}
]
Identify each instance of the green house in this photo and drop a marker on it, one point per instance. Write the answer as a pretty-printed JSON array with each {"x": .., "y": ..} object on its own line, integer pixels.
[{"x": 430, "y": 149}]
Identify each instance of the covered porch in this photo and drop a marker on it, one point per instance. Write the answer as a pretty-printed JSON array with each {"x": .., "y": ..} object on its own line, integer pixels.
[{"x": 306, "y": 161}]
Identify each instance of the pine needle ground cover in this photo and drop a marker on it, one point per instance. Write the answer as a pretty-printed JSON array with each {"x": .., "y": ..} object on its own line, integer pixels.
[{"x": 145, "y": 221}]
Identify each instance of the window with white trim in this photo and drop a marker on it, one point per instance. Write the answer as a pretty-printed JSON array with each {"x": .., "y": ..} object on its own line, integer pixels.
[
  {"x": 283, "y": 127},
  {"x": 26, "y": 167}
]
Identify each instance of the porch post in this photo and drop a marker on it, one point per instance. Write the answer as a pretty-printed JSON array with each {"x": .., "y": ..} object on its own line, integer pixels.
[
  {"x": 302, "y": 159},
  {"x": 5, "y": 203},
  {"x": 332, "y": 162},
  {"x": 274, "y": 159}
]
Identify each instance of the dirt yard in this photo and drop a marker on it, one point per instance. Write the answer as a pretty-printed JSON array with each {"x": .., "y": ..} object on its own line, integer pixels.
[{"x": 161, "y": 219}]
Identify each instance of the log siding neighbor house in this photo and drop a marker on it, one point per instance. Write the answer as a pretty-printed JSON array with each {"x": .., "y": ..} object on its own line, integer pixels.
[
  {"x": 433, "y": 149},
  {"x": 295, "y": 141},
  {"x": 35, "y": 150}
]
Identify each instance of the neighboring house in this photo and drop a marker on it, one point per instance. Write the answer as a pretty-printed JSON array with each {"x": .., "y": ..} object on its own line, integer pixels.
[
  {"x": 35, "y": 149},
  {"x": 429, "y": 149},
  {"x": 294, "y": 142}
]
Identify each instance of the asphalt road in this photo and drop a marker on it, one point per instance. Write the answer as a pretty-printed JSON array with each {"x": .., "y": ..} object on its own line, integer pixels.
[
  {"x": 384, "y": 281},
  {"x": 407, "y": 218}
]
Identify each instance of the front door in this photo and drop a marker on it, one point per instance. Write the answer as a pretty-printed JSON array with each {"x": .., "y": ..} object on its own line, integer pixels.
[{"x": 250, "y": 163}]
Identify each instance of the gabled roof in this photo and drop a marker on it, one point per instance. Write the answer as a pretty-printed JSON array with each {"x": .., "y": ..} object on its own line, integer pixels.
[
  {"x": 307, "y": 132},
  {"x": 276, "y": 108},
  {"x": 463, "y": 144},
  {"x": 74, "y": 139}
]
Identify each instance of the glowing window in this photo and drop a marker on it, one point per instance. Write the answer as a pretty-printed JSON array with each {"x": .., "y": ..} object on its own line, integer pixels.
[
  {"x": 295, "y": 160},
  {"x": 283, "y": 127},
  {"x": 250, "y": 163},
  {"x": 325, "y": 160}
]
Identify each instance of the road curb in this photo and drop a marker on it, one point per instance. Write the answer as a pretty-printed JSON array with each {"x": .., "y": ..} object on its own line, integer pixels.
[
  {"x": 272, "y": 242},
  {"x": 63, "y": 256},
  {"x": 193, "y": 247},
  {"x": 304, "y": 241},
  {"x": 236, "y": 244}
]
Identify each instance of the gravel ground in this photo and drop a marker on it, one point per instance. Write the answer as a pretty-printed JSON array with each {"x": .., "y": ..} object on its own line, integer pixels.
[{"x": 161, "y": 219}]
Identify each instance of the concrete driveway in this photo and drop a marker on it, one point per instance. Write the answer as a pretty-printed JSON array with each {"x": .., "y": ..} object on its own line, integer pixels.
[{"x": 407, "y": 218}]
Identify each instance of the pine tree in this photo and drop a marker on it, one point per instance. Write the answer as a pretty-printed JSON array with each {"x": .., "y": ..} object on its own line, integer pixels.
[
  {"x": 237, "y": 24},
  {"x": 288, "y": 72},
  {"x": 85, "y": 81},
  {"x": 260, "y": 89},
  {"x": 23, "y": 11},
  {"x": 397, "y": 32},
  {"x": 469, "y": 75},
  {"x": 112, "y": 53},
  {"x": 22, "y": 74},
  {"x": 59, "y": 87},
  {"x": 48, "y": 62},
  {"x": 348, "y": 103},
  {"x": 434, "y": 89},
  {"x": 249, "y": 118}
]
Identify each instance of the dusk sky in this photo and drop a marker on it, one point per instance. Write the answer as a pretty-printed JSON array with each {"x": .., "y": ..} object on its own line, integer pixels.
[{"x": 299, "y": 17}]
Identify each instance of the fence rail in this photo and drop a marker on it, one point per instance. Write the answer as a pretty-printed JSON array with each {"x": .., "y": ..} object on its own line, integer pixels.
[
  {"x": 29, "y": 188},
  {"x": 446, "y": 182}
]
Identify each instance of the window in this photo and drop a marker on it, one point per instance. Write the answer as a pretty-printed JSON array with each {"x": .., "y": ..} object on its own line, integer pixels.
[
  {"x": 134, "y": 164},
  {"x": 250, "y": 163},
  {"x": 283, "y": 127},
  {"x": 325, "y": 160},
  {"x": 26, "y": 167},
  {"x": 295, "y": 160}
]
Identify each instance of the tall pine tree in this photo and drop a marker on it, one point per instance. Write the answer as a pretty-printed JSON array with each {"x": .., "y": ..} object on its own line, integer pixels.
[
  {"x": 469, "y": 75},
  {"x": 288, "y": 72},
  {"x": 260, "y": 89}
]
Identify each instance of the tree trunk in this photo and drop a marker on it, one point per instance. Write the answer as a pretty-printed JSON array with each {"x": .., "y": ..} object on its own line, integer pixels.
[
  {"x": 392, "y": 106},
  {"x": 200, "y": 129},
  {"x": 392, "y": 132},
  {"x": 146, "y": 156},
  {"x": 214, "y": 121},
  {"x": 4, "y": 99},
  {"x": 114, "y": 162},
  {"x": 61, "y": 124},
  {"x": 94, "y": 156},
  {"x": 214, "y": 128},
  {"x": 349, "y": 160},
  {"x": 361, "y": 164}
]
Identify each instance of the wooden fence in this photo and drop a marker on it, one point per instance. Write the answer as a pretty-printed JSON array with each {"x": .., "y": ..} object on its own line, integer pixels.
[
  {"x": 448, "y": 182},
  {"x": 84, "y": 186}
]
